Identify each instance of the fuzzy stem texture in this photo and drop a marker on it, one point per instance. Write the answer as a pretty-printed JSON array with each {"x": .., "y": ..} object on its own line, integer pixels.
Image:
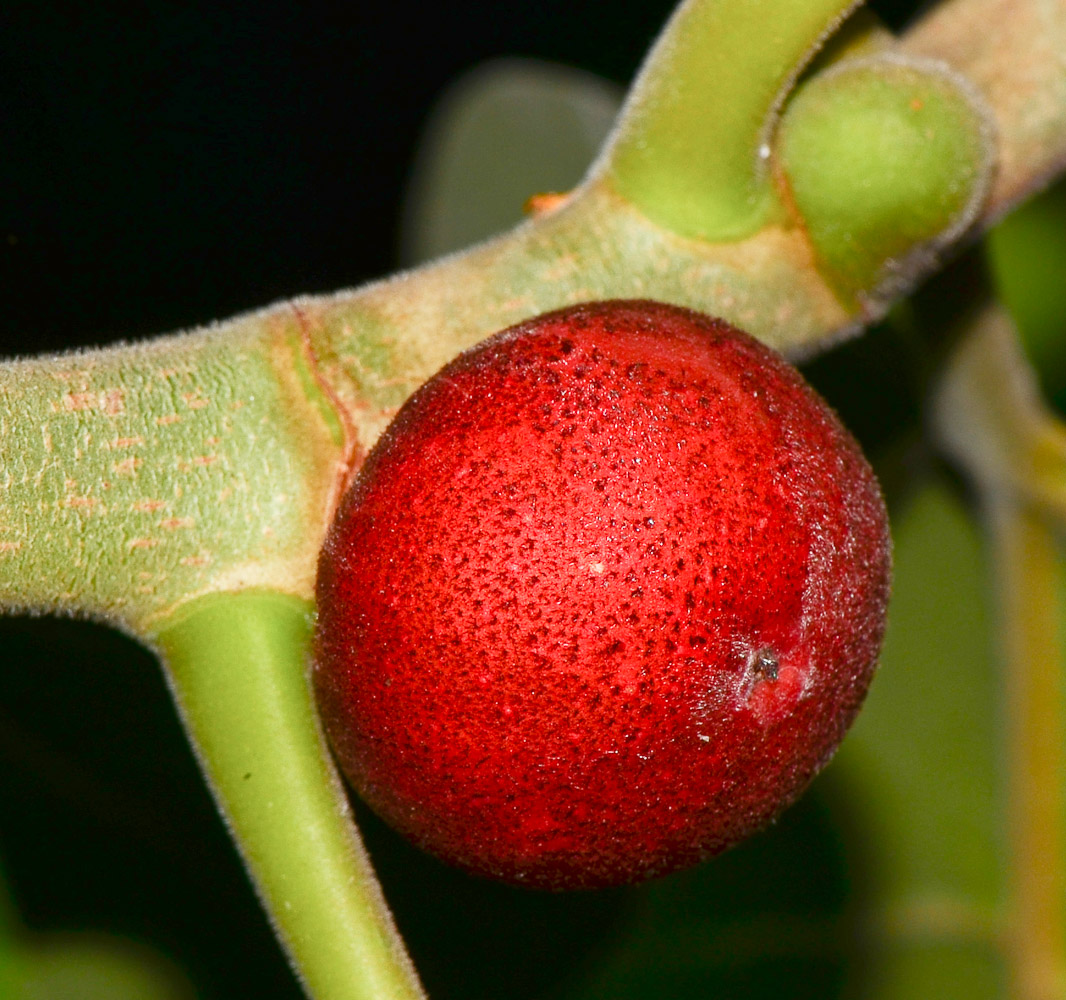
[
  {"x": 1014, "y": 53},
  {"x": 237, "y": 664},
  {"x": 136, "y": 478},
  {"x": 712, "y": 130}
]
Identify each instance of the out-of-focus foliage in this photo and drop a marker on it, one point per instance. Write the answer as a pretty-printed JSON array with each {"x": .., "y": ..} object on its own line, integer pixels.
[
  {"x": 83, "y": 966},
  {"x": 1027, "y": 252}
]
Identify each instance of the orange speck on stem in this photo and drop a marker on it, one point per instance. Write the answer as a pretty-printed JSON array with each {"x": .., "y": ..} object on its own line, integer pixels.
[
  {"x": 127, "y": 466},
  {"x": 544, "y": 202},
  {"x": 171, "y": 523},
  {"x": 75, "y": 401},
  {"x": 114, "y": 402}
]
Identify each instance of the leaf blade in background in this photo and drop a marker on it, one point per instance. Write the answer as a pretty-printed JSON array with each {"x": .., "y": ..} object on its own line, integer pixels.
[
  {"x": 1027, "y": 252},
  {"x": 88, "y": 965},
  {"x": 507, "y": 130},
  {"x": 924, "y": 756}
]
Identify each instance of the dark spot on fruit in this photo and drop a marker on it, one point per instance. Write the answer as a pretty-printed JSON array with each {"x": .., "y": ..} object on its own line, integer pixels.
[
  {"x": 567, "y": 347},
  {"x": 765, "y": 664}
]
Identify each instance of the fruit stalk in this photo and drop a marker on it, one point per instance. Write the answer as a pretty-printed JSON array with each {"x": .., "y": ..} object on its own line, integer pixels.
[
  {"x": 136, "y": 478},
  {"x": 236, "y": 664}
]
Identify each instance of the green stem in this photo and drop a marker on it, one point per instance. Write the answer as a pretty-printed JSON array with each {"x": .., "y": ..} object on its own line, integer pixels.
[
  {"x": 136, "y": 478},
  {"x": 1011, "y": 51},
  {"x": 692, "y": 149},
  {"x": 887, "y": 160},
  {"x": 237, "y": 664}
]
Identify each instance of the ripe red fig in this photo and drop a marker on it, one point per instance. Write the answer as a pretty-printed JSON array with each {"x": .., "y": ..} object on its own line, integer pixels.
[{"x": 602, "y": 601}]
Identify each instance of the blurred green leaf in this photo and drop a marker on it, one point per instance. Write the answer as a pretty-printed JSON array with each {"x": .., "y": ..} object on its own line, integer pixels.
[
  {"x": 81, "y": 966},
  {"x": 88, "y": 967},
  {"x": 924, "y": 755},
  {"x": 925, "y": 741},
  {"x": 508, "y": 130},
  {"x": 1027, "y": 253}
]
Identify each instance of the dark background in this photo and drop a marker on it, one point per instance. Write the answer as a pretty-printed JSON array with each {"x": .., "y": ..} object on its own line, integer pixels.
[{"x": 173, "y": 163}]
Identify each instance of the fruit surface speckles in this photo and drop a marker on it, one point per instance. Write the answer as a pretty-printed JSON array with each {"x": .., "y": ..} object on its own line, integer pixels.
[{"x": 603, "y": 599}]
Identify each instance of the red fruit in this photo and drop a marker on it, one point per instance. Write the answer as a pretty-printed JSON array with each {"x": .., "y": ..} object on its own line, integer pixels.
[{"x": 603, "y": 599}]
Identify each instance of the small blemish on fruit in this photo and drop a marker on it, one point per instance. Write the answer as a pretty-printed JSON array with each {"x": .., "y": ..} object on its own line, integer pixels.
[{"x": 764, "y": 664}]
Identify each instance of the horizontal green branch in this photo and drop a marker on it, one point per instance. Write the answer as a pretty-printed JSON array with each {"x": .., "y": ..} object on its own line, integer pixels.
[{"x": 134, "y": 478}]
